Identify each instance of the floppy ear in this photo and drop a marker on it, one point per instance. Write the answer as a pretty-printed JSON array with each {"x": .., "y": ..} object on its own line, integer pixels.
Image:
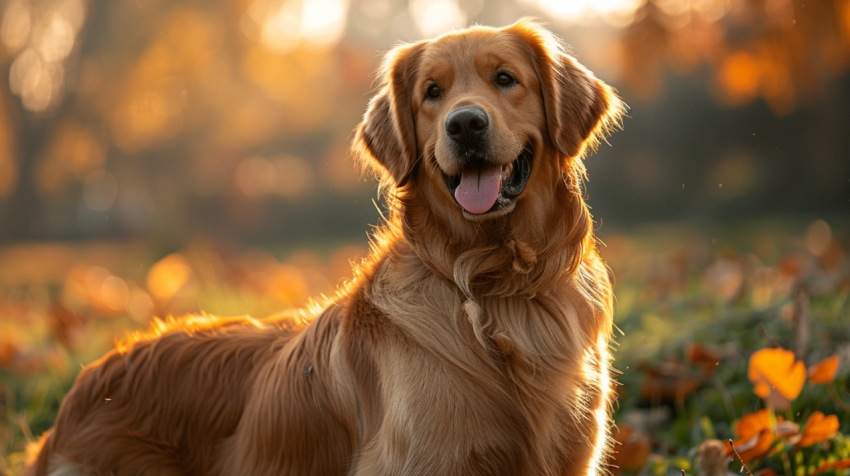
[
  {"x": 580, "y": 109},
  {"x": 386, "y": 139}
]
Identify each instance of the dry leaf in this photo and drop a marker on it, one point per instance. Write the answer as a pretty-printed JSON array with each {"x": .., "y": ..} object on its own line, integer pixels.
[
  {"x": 707, "y": 357},
  {"x": 8, "y": 349},
  {"x": 669, "y": 381},
  {"x": 786, "y": 429},
  {"x": 631, "y": 452},
  {"x": 68, "y": 327},
  {"x": 712, "y": 458},
  {"x": 837, "y": 465}
]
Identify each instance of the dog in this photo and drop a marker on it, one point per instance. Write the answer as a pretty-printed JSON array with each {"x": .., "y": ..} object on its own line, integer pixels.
[{"x": 472, "y": 341}]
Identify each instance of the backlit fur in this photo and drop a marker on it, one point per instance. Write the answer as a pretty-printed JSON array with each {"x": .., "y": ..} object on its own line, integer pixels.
[{"x": 460, "y": 347}]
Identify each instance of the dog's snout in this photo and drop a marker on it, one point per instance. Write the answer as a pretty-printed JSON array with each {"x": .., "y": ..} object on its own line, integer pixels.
[{"x": 467, "y": 125}]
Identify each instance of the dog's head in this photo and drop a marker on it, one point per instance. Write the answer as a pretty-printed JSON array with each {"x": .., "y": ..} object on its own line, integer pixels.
[{"x": 484, "y": 124}]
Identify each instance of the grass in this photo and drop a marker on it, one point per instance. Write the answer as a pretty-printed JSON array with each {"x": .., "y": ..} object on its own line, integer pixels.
[{"x": 691, "y": 310}]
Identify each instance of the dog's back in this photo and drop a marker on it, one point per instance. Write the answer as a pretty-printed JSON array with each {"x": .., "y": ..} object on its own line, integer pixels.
[{"x": 136, "y": 408}]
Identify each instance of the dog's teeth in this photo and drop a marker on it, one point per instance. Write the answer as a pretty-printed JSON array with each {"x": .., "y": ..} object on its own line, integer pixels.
[{"x": 507, "y": 170}]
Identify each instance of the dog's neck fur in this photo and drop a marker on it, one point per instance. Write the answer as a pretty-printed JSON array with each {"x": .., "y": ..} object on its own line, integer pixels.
[
  {"x": 522, "y": 312},
  {"x": 526, "y": 306},
  {"x": 544, "y": 350}
]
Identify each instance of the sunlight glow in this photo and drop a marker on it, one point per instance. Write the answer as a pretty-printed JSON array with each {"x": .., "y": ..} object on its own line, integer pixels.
[
  {"x": 16, "y": 25},
  {"x": 168, "y": 276},
  {"x": 282, "y": 26},
  {"x": 45, "y": 37},
  {"x": 323, "y": 21},
  {"x": 621, "y": 13},
  {"x": 437, "y": 16},
  {"x": 614, "y": 12},
  {"x": 601, "y": 445}
]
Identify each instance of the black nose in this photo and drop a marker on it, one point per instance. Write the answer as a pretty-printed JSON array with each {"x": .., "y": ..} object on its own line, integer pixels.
[{"x": 467, "y": 125}]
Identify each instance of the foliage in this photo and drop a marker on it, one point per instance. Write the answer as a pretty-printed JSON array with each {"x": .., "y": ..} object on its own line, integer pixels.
[
  {"x": 704, "y": 323},
  {"x": 717, "y": 370}
]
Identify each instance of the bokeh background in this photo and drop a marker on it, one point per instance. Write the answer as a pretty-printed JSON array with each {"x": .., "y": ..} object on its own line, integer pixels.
[{"x": 161, "y": 157}]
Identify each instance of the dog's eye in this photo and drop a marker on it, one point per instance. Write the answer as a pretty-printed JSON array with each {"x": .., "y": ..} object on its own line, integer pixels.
[
  {"x": 504, "y": 79},
  {"x": 434, "y": 91}
]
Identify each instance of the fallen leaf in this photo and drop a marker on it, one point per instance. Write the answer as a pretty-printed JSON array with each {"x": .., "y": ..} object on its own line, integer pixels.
[
  {"x": 786, "y": 429},
  {"x": 8, "y": 349},
  {"x": 68, "y": 327},
  {"x": 631, "y": 451},
  {"x": 703, "y": 355},
  {"x": 837, "y": 465},
  {"x": 713, "y": 458},
  {"x": 824, "y": 371},
  {"x": 777, "y": 375},
  {"x": 669, "y": 381},
  {"x": 818, "y": 428}
]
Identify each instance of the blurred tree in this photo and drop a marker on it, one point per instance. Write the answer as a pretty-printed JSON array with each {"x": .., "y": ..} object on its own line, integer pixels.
[{"x": 168, "y": 119}]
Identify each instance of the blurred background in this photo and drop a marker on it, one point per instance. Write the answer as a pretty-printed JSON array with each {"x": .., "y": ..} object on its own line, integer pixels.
[{"x": 159, "y": 157}]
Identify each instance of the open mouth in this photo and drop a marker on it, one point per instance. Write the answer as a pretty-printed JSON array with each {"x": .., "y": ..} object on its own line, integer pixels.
[{"x": 481, "y": 189}]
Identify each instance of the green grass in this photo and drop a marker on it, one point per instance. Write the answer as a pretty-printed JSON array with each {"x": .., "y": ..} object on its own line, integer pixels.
[{"x": 732, "y": 291}]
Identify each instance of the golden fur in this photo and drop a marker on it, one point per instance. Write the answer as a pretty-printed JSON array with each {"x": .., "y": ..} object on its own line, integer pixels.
[{"x": 465, "y": 345}]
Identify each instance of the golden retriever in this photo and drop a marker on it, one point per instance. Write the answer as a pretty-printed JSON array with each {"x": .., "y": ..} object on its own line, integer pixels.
[{"x": 472, "y": 341}]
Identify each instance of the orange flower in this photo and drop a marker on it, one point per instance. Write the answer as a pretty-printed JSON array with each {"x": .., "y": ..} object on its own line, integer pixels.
[
  {"x": 824, "y": 371},
  {"x": 752, "y": 424},
  {"x": 755, "y": 447},
  {"x": 777, "y": 375},
  {"x": 818, "y": 428}
]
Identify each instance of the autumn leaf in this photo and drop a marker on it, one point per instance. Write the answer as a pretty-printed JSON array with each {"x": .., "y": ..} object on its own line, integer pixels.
[
  {"x": 68, "y": 326},
  {"x": 701, "y": 354},
  {"x": 786, "y": 429},
  {"x": 631, "y": 451},
  {"x": 8, "y": 348},
  {"x": 670, "y": 381},
  {"x": 818, "y": 428},
  {"x": 837, "y": 465},
  {"x": 713, "y": 458},
  {"x": 824, "y": 371},
  {"x": 777, "y": 375}
]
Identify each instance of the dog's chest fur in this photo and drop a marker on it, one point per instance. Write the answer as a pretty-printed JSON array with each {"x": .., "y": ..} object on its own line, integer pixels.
[{"x": 493, "y": 381}]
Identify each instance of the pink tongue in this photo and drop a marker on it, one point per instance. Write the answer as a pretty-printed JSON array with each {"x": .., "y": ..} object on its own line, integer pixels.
[{"x": 477, "y": 193}]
